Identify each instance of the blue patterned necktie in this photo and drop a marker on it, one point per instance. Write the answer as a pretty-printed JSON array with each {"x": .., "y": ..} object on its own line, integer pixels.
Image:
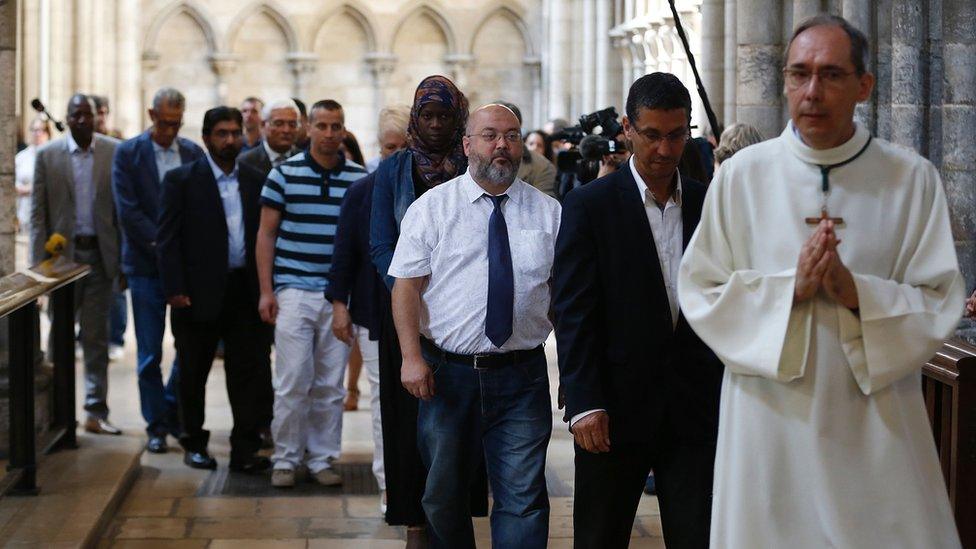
[{"x": 501, "y": 280}]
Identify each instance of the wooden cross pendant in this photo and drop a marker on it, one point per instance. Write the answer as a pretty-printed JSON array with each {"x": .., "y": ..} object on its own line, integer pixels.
[{"x": 824, "y": 215}]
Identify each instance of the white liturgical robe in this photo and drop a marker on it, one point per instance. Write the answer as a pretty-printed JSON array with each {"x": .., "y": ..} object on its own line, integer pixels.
[{"x": 823, "y": 436}]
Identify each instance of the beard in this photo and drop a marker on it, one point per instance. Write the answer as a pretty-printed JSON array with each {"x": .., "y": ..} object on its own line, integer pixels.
[{"x": 485, "y": 169}]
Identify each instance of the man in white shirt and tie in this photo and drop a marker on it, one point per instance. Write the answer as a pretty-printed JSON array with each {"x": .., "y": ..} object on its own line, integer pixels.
[{"x": 471, "y": 305}]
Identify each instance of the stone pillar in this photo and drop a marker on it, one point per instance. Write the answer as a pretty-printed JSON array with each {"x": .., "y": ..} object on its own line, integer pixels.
[
  {"x": 223, "y": 65},
  {"x": 759, "y": 61},
  {"x": 958, "y": 121},
  {"x": 8, "y": 133},
  {"x": 729, "y": 84},
  {"x": 604, "y": 59},
  {"x": 713, "y": 55},
  {"x": 908, "y": 34},
  {"x": 882, "y": 109},
  {"x": 303, "y": 67},
  {"x": 460, "y": 65},
  {"x": 533, "y": 67},
  {"x": 805, "y": 9},
  {"x": 622, "y": 44},
  {"x": 559, "y": 50},
  {"x": 589, "y": 59},
  {"x": 381, "y": 66},
  {"x": 858, "y": 13}
]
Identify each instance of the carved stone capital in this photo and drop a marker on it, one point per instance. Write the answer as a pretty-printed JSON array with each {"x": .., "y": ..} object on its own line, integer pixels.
[
  {"x": 224, "y": 64},
  {"x": 302, "y": 63},
  {"x": 150, "y": 60}
]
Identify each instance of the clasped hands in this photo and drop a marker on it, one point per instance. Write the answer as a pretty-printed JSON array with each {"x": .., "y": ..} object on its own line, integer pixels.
[{"x": 820, "y": 267}]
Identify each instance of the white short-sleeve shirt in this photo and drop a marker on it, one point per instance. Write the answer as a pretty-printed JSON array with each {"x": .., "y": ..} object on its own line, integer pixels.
[{"x": 444, "y": 235}]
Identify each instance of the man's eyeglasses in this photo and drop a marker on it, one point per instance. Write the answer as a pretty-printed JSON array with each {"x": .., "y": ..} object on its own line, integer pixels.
[
  {"x": 654, "y": 138},
  {"x": 798, "y": 78},
  {"x": 491, "y": 136},
  {"x": 278, "y": 124}
]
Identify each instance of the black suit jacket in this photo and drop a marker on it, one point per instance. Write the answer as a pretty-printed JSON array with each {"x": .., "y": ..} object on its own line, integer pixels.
[
  {"x": 617, "y": 349},
  {"x": 191, "y": 242},
  {"x": 258, "y": 159}
]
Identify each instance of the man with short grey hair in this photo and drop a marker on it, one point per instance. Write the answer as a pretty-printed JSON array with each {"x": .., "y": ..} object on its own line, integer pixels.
[
  {"x": 471, "y": 304},
  {"x": 137, "y": 171},
  {"x": 824, "y": 275},
  {"x": 279, "y": 128}
]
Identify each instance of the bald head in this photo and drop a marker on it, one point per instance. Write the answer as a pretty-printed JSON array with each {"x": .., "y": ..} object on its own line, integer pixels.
[
  {"x": 81, "y": 118},
  {"x": 493, "y": 145},
  {"x": 491, "y": 113}
]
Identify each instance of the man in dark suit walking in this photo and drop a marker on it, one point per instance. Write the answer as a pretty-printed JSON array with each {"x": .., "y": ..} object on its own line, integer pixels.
[
  {"x": 207, "y": 231},
  {"x": 641, "y": 389},
  {"x": 137, "y": 171}
]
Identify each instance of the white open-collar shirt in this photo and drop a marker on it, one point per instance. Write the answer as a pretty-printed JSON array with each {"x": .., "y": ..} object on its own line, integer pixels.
[{"x": 444, "y": 235}]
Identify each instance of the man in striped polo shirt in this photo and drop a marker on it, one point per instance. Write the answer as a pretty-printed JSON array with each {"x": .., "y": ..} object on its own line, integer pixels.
[{"x": 300, "y": 210}]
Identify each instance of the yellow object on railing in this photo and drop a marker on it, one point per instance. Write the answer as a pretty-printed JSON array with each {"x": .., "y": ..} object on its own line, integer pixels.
[{"x": 55, "y": 245}]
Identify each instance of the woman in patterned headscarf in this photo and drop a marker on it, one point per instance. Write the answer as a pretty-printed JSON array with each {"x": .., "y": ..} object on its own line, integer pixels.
[{"x": 434, "y": 155}]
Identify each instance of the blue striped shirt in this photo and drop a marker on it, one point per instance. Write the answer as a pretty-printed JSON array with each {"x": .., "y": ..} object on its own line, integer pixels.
[{"x": 308, "y": 197}]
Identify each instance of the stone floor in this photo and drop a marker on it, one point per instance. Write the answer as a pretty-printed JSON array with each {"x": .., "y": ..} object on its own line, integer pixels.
[{"x": 164, "y": 508}]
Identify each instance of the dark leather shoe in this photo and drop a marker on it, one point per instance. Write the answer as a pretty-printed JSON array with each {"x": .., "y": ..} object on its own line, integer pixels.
[
  {"x": 252, "y": 464},
  {"x": 157, "y": 445},
  {"x": 199, "y": 460},
  {"x": 101, "y": 427}
]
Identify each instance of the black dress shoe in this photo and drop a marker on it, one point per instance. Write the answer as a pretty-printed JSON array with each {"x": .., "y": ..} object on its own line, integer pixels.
[
  {"x": 157, "y": 445},
  {"x": 199, "y": 460},
  {"x": 252, "y": 464}
]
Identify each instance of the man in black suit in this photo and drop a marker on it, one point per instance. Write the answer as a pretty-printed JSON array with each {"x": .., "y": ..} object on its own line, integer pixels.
[
  {"x": 205, "y": 246},
  {"x": 280, "y": 121},
  {"x": 641, "y": 389}
]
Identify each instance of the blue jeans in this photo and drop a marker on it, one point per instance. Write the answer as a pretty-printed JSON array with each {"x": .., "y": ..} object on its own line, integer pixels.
[
  {"x": 118, "y": 319},
  {"x": 506, "y": 414},
  {"x": 158, "y": 402}
]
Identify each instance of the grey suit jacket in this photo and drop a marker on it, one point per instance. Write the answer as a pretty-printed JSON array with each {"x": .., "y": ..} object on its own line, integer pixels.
[
  {"x": 258, "y": 159},
  {"x": 53, "y": 201}
]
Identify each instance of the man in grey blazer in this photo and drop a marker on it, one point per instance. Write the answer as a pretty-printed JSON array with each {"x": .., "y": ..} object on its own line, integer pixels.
[{"x": 73, "y": 197}]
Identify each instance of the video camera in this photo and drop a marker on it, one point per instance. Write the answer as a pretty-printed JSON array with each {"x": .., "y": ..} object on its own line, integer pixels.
[{"x": 594, "y": 138}]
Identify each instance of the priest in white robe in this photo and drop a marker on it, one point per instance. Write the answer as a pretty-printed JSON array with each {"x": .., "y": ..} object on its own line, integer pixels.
[{"x": 824, "y": 324}]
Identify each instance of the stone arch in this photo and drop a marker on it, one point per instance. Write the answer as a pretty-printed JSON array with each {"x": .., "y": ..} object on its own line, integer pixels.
[
  {"x": 416, "y": 9},
  {"x": 506, "y": 12},
  {"x": 422, "y": 45},
  {"x": 499, "y": 52},
  {"x": 355, "y": 11},
  {"x": 191, "y": 9},
  {"x": 268, "y": 9}
]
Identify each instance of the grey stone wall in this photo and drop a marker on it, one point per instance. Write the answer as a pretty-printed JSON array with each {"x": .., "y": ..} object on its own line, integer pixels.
[{"x": 923, "y": 54}]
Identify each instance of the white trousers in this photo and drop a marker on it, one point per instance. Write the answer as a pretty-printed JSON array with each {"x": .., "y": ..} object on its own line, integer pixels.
[
  {"x": 370, "y": 351},
  {"x": 310, "y": 364}
]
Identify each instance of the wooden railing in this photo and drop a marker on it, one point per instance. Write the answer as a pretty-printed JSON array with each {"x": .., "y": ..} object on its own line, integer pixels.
[
  {"x": 19, "y": 293},
  {"x": 949, "y": 385}
]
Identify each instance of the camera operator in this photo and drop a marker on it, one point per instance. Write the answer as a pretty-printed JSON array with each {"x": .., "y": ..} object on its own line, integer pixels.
[{"x": 612, "y": 161}]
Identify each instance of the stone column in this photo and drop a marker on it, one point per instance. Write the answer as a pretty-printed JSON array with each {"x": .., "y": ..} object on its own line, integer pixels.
[
  {"x": 533, "y": 67},
  {"x": 589, "y": 59},
  {"x": 713, "y": 55},
  {"x": 605, "y": 61},
  {"x": 559, "y": 49},
  {"x": 759, "y": 60},
  {"x": 8, "y": 133},
  {"x": 460, "y": 66},
  {"x": 729, "y": 84},
  {"x": 908, "y": 34},
  {"x": 381, "y": 66},
  {"x": 882, "y": 93},
  {"x": 621, "y": 43},
  {"x": 303, "y": 65},
  {"x": 858, "y": 13},
  {"x": 958, "y": 121},
  {"x": 223, "y": 65},
  {"x": 805, "y": 9}
]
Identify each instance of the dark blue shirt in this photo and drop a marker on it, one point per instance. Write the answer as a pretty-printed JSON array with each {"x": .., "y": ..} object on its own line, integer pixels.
[{"x": 353, "y": 277}]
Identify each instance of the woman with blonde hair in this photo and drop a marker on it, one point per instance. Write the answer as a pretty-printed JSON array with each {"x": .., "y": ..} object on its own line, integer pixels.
[{"x": 735, "y": 138}]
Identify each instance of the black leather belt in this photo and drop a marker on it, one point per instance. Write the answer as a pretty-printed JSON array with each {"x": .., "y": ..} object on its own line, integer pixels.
[
  {"x": 86, "y": 241},
  {"x": 485, "y": 361}
]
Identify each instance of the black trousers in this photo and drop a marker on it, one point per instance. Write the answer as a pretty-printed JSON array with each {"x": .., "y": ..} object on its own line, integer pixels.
[
  {"x": 609, "y": 486},
  {"x": 247, "y": 367}
]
